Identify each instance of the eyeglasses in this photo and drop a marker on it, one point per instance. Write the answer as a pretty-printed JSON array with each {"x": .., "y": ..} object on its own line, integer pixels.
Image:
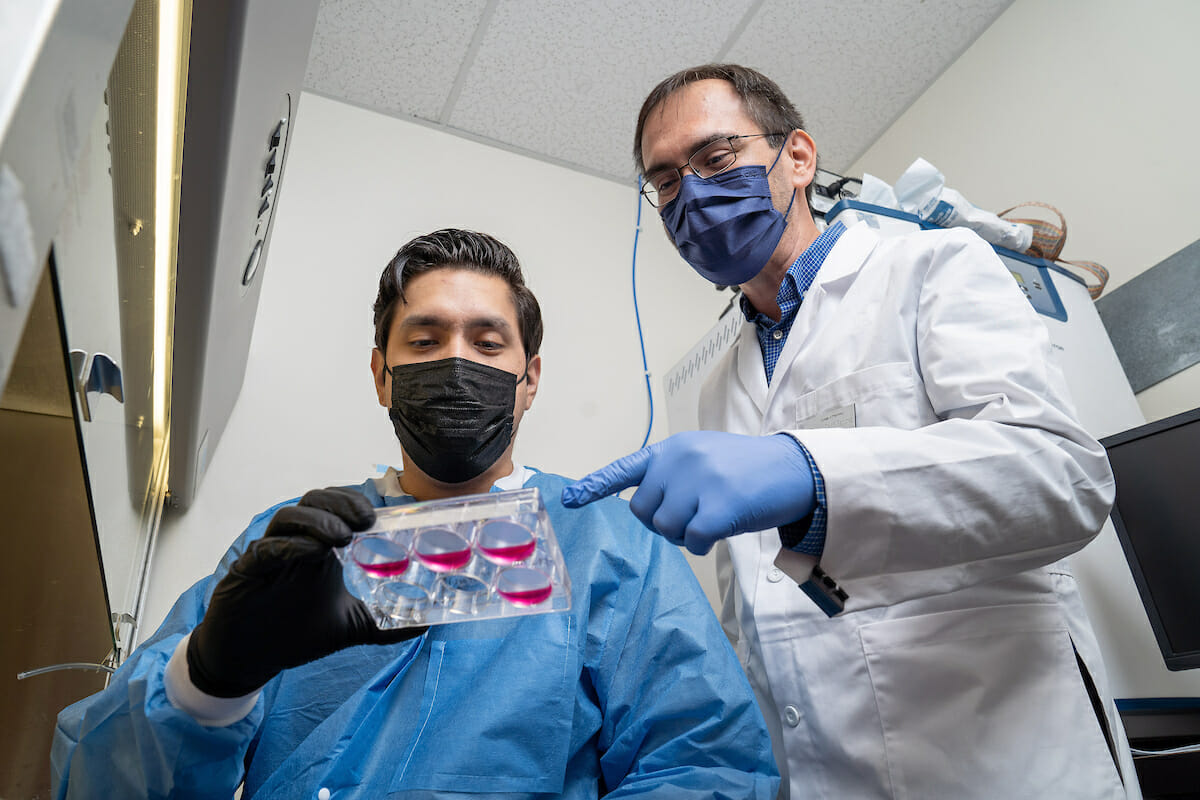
[{"x": 661, "y": 186}]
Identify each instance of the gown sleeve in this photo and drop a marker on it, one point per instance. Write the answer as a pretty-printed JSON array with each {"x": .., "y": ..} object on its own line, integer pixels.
[{"x": 130, "y": 741}]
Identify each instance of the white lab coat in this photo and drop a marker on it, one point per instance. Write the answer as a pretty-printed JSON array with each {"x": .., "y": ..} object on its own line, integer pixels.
[{"x": 957, "y": 479}]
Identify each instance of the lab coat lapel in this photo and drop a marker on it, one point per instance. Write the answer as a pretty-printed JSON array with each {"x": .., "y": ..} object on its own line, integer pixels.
[
  {"x": 751, "y": 372},
  {"x": 846, "y": 258}
]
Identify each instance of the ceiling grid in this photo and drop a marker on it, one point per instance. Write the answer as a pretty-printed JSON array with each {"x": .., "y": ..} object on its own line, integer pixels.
[
  {"x": 737, "y": 31},
  {"x": 562, "y": 80},
  {"x": 468, "y": 60}
]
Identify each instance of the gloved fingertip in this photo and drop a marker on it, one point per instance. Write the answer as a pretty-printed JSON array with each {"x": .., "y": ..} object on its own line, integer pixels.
[
  {"x": 359, "y": 514},
  {"x": 262, "y": 558},
  {"x": 617, "y": 476},
  {"x": 318, "y": 524},
  {"x": 575, "y": 496},
  {"x": 335, "y": 513},
  {"x": 350, "y": 505}
]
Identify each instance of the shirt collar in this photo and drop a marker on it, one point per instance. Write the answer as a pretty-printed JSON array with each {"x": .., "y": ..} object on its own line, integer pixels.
[{"x": 800, "y": 274}]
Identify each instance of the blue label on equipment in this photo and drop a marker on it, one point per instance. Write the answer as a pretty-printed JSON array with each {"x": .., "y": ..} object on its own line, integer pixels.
[{"x": 942, "y": 214}]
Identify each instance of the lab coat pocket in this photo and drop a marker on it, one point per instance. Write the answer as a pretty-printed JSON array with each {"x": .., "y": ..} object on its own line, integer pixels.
[
  {"x": 497, "y": 709},
  {"x": 986, "y": 697},
  {"x": 883, "y": 394}
]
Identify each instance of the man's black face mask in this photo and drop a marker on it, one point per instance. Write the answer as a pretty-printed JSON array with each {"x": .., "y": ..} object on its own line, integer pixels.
[{"x": 453, "y": 417}]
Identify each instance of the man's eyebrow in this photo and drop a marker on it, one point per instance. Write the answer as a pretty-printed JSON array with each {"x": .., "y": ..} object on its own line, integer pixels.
[
  {"x": 424, "y": 321},
  {"x": 438, "y": 321},
  {"x": 698, "y": 144},
  {"x": 497, "y": 323}
]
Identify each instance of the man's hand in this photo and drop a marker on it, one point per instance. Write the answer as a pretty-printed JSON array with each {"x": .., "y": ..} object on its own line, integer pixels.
[
  {"x": 701, "y": 486},
  {"x": 283, "y": 602}
]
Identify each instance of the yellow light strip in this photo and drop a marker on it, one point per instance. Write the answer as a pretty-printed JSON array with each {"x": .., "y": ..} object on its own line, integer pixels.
[{"x": 173, "y": 36}]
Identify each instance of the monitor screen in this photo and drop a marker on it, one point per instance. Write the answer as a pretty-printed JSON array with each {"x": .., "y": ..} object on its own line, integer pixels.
[{"x": 1157, "y": 519}]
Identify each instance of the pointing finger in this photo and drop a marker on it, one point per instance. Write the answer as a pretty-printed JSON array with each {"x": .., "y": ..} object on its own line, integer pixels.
[{"x": 620, "y": 474}]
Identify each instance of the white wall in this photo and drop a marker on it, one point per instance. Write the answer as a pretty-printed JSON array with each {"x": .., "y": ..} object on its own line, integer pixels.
[
  {"x": 358, "y": 185},
  {"x": 1089, "y": 105}
]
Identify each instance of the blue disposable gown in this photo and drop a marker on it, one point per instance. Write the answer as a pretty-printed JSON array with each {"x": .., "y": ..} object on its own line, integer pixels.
[{"x": 635, "y": 692}]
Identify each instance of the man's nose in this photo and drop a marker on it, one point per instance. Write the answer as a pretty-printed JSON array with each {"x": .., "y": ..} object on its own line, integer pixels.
[{"x": 459, "y": 347}]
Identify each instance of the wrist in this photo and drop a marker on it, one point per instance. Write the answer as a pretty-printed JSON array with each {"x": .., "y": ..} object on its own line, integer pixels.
[
  {"x": 797, "y": 467},
  {"x": 792, "y": 533},
  {"x": 209, "y": 710},
  {"x": 211, "y": 680}
]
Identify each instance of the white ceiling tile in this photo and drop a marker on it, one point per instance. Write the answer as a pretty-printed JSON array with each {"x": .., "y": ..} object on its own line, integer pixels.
[
  {"x": 852, "y": 67},
  {"x": 567, "y": 79},
  {"x": 397, "y": 57}
]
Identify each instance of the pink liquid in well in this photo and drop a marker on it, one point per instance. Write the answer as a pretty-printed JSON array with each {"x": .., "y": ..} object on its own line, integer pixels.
[
  {"x": 527, "y": 597},
  {"x": 385, "y": 569},
  {"x": 523, "y": 586},
  {"x": 511, "y": 554},
  {"x": 379, "y": 556},
  {"x": 445, "y": 562},
  {"x": 505, "y": 541},
  {"x": 442, "y": 550}
]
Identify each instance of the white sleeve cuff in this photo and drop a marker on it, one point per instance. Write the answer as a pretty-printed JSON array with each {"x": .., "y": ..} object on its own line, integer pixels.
[{"x": 210, "y": 711}]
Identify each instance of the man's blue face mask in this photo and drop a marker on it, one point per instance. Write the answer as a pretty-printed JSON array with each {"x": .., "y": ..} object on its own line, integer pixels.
[{"x": 726, "y": 226}]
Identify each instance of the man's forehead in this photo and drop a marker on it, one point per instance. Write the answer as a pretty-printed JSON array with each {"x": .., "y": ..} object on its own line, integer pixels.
[
  {"x": 457, "y": 297},
  {"x": 690, "y": 117}
]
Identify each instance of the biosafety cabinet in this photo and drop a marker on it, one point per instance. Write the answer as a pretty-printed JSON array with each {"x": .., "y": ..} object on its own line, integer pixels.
[
  {"x": 142, "y": 151},
  {"x": 1105, "y": 404}
]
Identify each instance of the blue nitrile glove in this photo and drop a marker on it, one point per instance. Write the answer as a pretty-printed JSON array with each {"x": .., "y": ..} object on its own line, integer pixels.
[{"x": 701, "y": 486}]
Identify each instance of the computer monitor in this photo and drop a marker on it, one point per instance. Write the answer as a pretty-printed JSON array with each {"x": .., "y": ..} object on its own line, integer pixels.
[{"x": 1157, "y": 519}]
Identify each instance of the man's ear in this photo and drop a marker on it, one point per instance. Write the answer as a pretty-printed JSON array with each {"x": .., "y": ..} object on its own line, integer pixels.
[
  {"x": 803, "y": 152},
  {"x": 533, "y": 374},
  {"x": 380, "y": 374}
]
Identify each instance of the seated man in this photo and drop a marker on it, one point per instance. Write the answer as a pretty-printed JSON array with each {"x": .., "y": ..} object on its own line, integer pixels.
[{"x": 271, "y": 673}]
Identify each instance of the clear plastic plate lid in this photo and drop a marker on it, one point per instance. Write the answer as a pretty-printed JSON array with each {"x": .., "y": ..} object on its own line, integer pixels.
[{"x": 483, "y": 556}]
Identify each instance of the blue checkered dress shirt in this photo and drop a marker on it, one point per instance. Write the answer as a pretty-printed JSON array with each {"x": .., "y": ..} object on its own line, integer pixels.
[{"x": 771, "y": 338}]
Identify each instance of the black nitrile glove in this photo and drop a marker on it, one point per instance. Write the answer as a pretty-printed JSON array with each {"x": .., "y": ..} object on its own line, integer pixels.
[{"x": 283, "y": 602}]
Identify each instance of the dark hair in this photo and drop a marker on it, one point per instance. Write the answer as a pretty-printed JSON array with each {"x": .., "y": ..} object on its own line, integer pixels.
[
  {"x": 762, "y": 98},
  {"x": 457, "y": 249}
]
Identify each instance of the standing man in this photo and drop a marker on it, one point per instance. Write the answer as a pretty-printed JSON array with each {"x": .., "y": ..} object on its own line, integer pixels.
[
  {"x": 270, "y": 675},
  {"x": 893, "y": 469}
]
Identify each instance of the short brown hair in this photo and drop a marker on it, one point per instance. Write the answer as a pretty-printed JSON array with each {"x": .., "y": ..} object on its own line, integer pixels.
[
  {"x": 764, "y": 101},
  {"x": 458, "y": 249}
]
